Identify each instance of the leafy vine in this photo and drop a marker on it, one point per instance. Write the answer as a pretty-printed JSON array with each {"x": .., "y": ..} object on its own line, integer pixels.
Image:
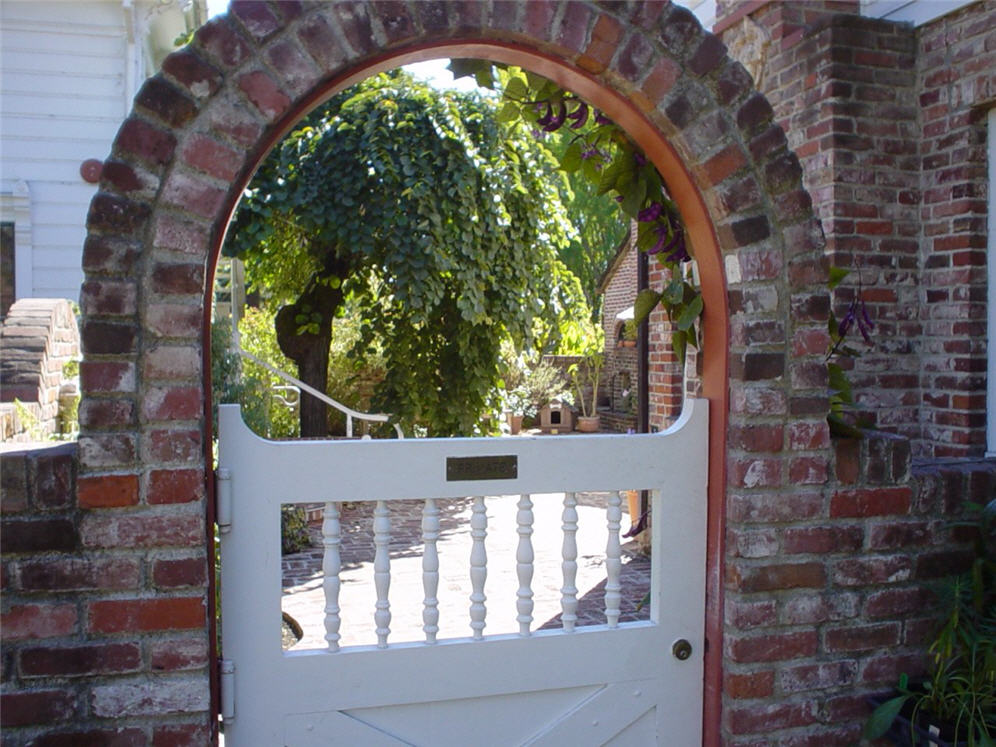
[{"x": 614, "y": 164}]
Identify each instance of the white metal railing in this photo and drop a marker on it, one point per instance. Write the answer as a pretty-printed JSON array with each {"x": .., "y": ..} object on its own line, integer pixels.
[{"x": 349, "y": 412}]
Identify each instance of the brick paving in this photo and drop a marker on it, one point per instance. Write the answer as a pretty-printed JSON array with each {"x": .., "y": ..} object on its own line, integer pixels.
[{"x": 303, "y": 596}]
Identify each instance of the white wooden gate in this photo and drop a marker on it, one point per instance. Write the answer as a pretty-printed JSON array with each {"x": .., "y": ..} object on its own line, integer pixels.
[{"x": 614, "y": 683}]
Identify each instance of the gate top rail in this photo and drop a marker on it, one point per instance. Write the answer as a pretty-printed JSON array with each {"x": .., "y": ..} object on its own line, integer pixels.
[{"x": 458, "y": 467}]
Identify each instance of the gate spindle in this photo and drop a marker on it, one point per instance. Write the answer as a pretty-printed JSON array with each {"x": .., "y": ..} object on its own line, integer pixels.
[
  {"x": 569, "y": 592},
  {"x": 430, "y": 570},
  {"x": 524, "y": 564},
  {"x": 613, "y": 562},
  {"x": 331, "y": 565},
  {"x": 478, "y": 566},
  {"x": 382, "y": 571}
]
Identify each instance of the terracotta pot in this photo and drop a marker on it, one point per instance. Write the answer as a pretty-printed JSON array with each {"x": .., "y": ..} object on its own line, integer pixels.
[
  {"x": 514, "y": 423},
  {"x": 588, "y": 424}
]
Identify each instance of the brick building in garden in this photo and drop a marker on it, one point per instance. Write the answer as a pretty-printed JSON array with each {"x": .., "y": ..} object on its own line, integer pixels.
[{"x": 816, "y": 550}]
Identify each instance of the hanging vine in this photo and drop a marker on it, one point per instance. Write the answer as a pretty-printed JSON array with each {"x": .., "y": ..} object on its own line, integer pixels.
[{"x": 606, "y": 156}]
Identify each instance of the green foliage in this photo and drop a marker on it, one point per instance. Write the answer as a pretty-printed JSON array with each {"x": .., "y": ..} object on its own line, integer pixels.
[
  {"x": 534, "y": 388},
  {"x": 447, "y": 229},
  {"x": 960, "y": 690},
  {"x": 594, "y": 148},
  {"x": 293, "y": 530},
  {"x": 246, "y": 383},
  {"x": 841, "y": 393}
]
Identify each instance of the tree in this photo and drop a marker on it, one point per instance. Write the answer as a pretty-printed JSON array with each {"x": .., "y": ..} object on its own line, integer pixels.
[{"x": 442, "y": 231}]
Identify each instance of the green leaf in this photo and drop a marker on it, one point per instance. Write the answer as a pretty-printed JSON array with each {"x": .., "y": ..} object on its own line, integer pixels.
[
  {"x": 690, "y": 313},
  {"x": 571, "y": 160},
  {"x": 883, "y": 716},
  {"x": 516, "y": 88},
  {"x": 837, "y": 274},
  {"x": 679, "y": 341},
  {"x": 633, "y": 198},
  {"x": 646, "y": 301},
  {"x": 510, "y": 112},
  {"x": 611, "y": 173},
  {"x": 839, "y": 383}
]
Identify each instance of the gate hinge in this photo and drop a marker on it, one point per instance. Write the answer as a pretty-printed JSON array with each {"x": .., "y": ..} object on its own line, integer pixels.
[
  {"x": 223, "y": 493},
  {"x": 227, "y": 683}
]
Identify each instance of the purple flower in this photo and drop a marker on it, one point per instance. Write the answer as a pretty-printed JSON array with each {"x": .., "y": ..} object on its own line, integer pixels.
[
  {"x": 639, "y": 158},
  {"x": 602, "y": 119},
  {"x": 579, "y": 115},
  {"x": 650, "y": 213}
]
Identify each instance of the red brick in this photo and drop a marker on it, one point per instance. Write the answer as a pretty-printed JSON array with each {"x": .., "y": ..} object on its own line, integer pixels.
[
  {"x": 75, "y": 661},
  {"x": 167, "y": 446},
  {"x": 862, "y": 637},
  {"x": 764, "y": 718},
  {"x": 191, "y": 192},
  {"x": 142, "y": 615},
  {"x": 178, "y": 654},
  {"x": 866, "y": 502},
  {"x": 810, "y": 609},
  {"x": 848, "y": 466},
  {"x": 757, "y": 437},
  {"x": 773, "y": 646},
  {"x": 817, "y": 676},
  {"x": 175, "y": 403},
  {"x": 181, "y": 235},
  {"x": 752, "y": 614},
  {"x": 823, "y": 540},
  {"x": 37, "y": 535},
  {"x": 805, "y": 436},
  {"x": 182, "y": 735},
  {"x": 752, "y": 685},
  {"x": 149, "y": 143},
  {"x": 103, "y": 491},
  {"x": 108, "y": 338},
  {"x": 256, "y": 16},
  {"x": 661, "y": 79},
  {"x": 107, "y": 376},
  {"x": 872, "y": 570},
  {"x": 108, "y": 450},
  {"x": 222, "y": 42},
  {"x": 166, "y": 101},
  {"x": 142, "y": 531},
  {"x": 808, "y": 471},
  {"x": 38, "y": 621},
  {"x": 75, "y": 574},
  {"x": 895, "y": 535},
  {"x": 39, "y": 707},
  {"x": 265, "y": 94},
  {"x": 172, "y": 573},
  {"x": 897, "y": 602},
  {"x": 775, "y": 507},
  {"x": 776, "y": 576},
  {"x": 888, "y": 667},
  {"x": 211, "y": 157},
  {"x": 106, "y": 413},
  {"x": 756, "y": 473},
  {"x": 174, "y": 320},
  {"x": 198, "y": 77}
]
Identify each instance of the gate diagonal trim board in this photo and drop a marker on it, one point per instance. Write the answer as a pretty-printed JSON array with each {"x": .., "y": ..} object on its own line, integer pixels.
[{"x": 615, "y": 684}]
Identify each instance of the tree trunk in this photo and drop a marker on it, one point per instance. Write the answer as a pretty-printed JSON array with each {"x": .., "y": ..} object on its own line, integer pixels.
[{"x": 310, "y": 350}]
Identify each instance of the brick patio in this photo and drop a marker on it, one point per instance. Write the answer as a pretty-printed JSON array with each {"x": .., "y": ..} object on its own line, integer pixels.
[{"x": 304, "y": 600}]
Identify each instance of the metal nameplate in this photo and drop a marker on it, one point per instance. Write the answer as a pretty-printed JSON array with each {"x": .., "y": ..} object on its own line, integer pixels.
[{"x": 482, "y": 468}]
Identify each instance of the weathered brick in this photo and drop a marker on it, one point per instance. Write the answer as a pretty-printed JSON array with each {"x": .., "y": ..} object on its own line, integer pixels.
[
  {"x": 806, "y": 609},
  {"x": 32, "y": 535},
  {"x": 751, "y": 685},
  {"x": 172, "y": 362},
  {"x": 773, "y": 646},
  {"x": 223, "y": 43},
  {"x": 817, "y": 676},
  {"x": 173, "y": 403},
  {"x": 191, "y": 192},
  {"x": 178, "y": 654},
  {"x": 152, "y": 144},
  {"x": 108, "y": 338},
  {"x": 106, "y": 413},
  {"x": 775, "y": 576},
  {"x": 79, "y": 573},
  {"x": 824, "y": 539},
  {"x": 872, "y": 570},
  {"x": 107, "y": 376},
  {"x": 765, "y": 717},
  {"x": 862, "y": 637},
  {"x": 183, "y": 735},
  {"x": 166, "y": 101},
  {"x": 174, "y": 320},
  {"x": 104, "y": 491},
  {"x": 76, "y": 661},
  {"x": 142, "y": 531},
  {"x": 24, "y": 621},
  {"x": 175, "y": 486},
  {"x": 120, "y": 737},
  {"x": 118, "y": 215},
  {"x": 193, "y": 73},
  {"x": 174, "y": 278},
  {"x": 211, "y": 157},
  {"x": 37, "y": 707},
  {"x": 157, "y": 698},
  {"x": 169, "y": 446},
  {"x": 109, "y": 297},
  {"x": 865, "y": 502},
  {"x": 142, "y": 615},
  {"x": 265, "y": 94}
]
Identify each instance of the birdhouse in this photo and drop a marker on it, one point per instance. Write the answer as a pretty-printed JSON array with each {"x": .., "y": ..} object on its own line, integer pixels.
[{"x": 556, "y": 417}]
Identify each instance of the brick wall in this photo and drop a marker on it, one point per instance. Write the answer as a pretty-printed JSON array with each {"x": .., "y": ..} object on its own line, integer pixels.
[
  {"x": 37, "y": 338},
  {"x": 887, "y": 122},
  {"x": 828, "y": 594},
  {"x": 620, "y": 373}
]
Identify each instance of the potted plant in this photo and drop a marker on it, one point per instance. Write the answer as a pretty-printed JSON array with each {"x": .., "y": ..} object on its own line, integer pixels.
[
  {"x": 585, "y": 375},
  {"x": 956, "y": 703},
  {"x": 629, "y": 332}
]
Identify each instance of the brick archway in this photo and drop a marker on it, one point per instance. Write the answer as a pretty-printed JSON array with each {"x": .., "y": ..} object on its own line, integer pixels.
[{"x": 199, "y": 128}]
